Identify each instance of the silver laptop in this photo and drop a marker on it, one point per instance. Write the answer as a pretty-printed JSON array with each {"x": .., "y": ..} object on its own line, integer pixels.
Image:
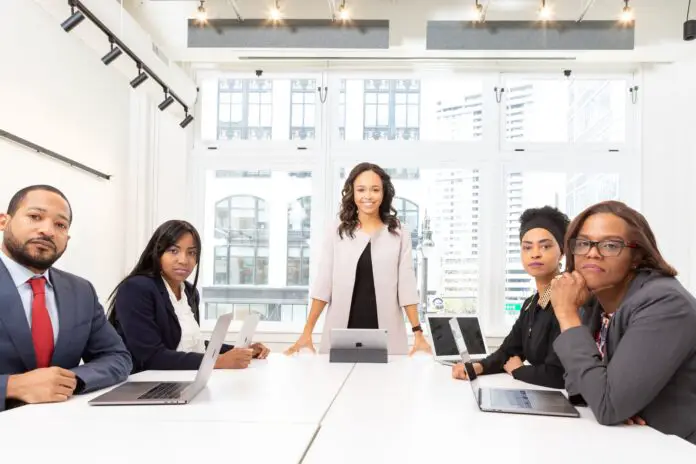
[
  {"x": 369, "y": 339},
  {"x": 515, "y": 401},
  {"x": 135, "y": 393},
  {"x": 444, "y": 347}
]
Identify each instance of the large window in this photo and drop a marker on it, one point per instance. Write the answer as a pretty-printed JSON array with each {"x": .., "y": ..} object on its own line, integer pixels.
[
  {"x": 245, "y": 109},
  {"x": 411, "y": 109},
  {"x": 302, "y": 111},
  {"x": 466, "y": 159},
  {"x": 299, "y": 225},
  {"x": 565, "y": 110},
  {"x": 241, "y": 222},
  {"x": 259, "y": 228},
  {"x": 571, "y": 193}
]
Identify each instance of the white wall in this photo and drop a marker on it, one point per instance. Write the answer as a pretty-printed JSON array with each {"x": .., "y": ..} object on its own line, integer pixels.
[
  {"x": 669, "y": 162},
  {"x": 56, "y": 92}
]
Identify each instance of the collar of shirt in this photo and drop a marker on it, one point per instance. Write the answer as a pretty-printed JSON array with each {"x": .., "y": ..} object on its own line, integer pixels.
[
  {"x": 20, "y": 274},
  {"x": 171, "y": 292},
  {"x": 545, "y": 297}
]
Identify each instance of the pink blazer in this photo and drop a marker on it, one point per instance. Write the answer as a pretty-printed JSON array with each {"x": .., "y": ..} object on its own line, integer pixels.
[{"x": 395, "y": 281}]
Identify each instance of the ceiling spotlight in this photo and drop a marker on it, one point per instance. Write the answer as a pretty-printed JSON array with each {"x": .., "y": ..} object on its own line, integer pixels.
[
  {"x": 114, "y": 53},
  {"x": 187, "y": 120},
  {"x": 627, "y": 15},
  {"x": 168, "y": 100},
  {"x": 140, "y": 78},
  {"x": 201, "y": 15},
  {"x": 275, "y": 14},
  {"x": 545, "y": 11},
  {"x": 477, "y": 13},
  {"x": 343, "y": 13},
  {"x": 75, "y": 18},
  {"x": 689, "y": 25}
]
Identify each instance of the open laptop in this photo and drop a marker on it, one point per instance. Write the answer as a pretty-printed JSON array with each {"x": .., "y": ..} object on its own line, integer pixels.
[
  {"x": 136, "y": 393},
  {"x": 509, "y": 400},
  {"x": 444, "y": 347}
]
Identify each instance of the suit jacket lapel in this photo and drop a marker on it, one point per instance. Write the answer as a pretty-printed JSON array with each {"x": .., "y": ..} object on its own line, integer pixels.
[
  {"x": 165, "y": 294},
  {"x": 15, "y": 319},
  {"x": 67, "y": 312}
]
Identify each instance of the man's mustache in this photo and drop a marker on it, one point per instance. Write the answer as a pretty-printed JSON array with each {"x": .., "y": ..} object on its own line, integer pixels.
[{"x": 45, "y": 241}]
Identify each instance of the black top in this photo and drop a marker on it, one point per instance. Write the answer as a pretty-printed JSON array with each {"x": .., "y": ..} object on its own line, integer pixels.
[
  {"x": 363, "y": 306},
  {"x": 531, "y": 339},
  {"x": 145, "y": 318}
]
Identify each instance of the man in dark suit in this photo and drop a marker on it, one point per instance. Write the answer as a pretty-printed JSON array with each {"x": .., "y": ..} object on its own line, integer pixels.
[{"x": 49, "y": 320}]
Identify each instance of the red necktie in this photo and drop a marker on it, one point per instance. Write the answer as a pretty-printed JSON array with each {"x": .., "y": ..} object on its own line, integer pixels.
[{"x": 41, "y": 328}]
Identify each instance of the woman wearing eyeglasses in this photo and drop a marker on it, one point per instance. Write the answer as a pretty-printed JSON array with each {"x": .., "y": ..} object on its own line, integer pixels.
[
  {"x": 531, "y": 338},
  {"x": 640, "y": 366}
]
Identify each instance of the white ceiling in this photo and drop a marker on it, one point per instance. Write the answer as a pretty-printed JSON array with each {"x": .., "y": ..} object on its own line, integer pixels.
[{"x": 658, "y": 26}]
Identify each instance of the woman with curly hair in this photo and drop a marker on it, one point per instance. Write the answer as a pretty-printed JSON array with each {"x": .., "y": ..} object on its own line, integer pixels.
[
  {"x": 531, "y": 338},
  {"x": 366, "y": 268}
]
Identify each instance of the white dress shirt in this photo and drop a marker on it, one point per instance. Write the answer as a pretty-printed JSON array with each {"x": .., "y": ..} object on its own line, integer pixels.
[
  {"x": 191, "y": 338},
  {"x": 21, "y": 276}
]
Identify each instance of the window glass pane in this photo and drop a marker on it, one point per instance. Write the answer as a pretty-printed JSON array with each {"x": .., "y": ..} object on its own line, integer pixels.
[
  {"x": 299, "y": 221},
  {"x": 258, "y": 109},
  {"x": 569, "y": 193},
  {"x": 575, "y": 110},
  {"x": 428, "y": 109},
  {"x": 244, "y": 265}
]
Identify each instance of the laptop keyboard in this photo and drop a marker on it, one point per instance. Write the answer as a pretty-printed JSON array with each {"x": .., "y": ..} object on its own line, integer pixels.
[{"x": 163, "y": 391}]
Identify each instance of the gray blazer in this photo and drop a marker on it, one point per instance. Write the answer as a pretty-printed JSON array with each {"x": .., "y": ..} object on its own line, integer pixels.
[
  {"x": 84, "y": 335},
  {"x": 650, "y": 367},
  {"x": 395, "y": 281}
]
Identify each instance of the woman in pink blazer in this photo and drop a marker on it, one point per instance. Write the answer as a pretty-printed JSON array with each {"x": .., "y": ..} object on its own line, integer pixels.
[{"x": 366, "y": 269}]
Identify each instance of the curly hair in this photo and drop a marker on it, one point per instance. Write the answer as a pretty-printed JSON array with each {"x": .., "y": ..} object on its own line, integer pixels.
[{"x": 349, "y": 210}]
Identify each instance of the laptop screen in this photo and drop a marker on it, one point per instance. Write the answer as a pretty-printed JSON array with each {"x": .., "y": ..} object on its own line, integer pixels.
[
  {"x": 473, "y": 337},
  {"x": 443, "y": 340}
]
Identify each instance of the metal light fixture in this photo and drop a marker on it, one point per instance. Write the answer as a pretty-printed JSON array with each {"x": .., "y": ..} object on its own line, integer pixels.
[
  {"x": 201, "y": 15},
  {"x": 627, "y": 15},
  {"x": 140, "y": 78},
  {"x": 187, "y": 120},
  {"x": 343, "y": 13},
  {"x": 168, "y": 100},
  {"x": 689, "y": 25},
  {"x": 75, "y": 18},
  {"x": 275, "y": 14},
  {"x": 545, "y": 11},
  {"x": 477, "y": 13},
  {"x": 114, "y": 53}
]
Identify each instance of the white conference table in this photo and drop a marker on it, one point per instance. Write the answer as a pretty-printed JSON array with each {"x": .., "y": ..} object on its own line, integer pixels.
[
  {"x": 284, "y": 408},
  {"x": 280, "y": 389},
  {"x": 412, "y": 411},
  {"x": 154, "y": 442}
]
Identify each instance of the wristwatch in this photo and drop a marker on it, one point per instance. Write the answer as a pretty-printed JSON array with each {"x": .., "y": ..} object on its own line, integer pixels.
[{"x": 417, "y": 328}]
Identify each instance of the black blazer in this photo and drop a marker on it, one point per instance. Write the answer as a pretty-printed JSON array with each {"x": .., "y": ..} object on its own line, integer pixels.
[
  {"x": 531, "y": 338},
  {"x": 145, "y": 318}
]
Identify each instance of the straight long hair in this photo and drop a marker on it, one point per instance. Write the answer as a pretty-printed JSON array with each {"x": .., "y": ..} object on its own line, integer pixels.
[{"x": 149, "y": 264}]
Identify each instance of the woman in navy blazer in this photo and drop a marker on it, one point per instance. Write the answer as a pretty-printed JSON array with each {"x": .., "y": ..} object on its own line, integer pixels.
[{"x": 155, "y": 310}]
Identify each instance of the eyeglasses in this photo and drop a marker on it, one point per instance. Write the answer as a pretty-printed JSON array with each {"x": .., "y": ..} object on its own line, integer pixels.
[{"x": 606, "y": 248}]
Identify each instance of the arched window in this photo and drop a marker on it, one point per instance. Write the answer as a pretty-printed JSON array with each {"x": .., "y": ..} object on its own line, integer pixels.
[
  {"x": 408, "y": 213},
  {"x": 299, "y": 220},
  {"x": 241, "y": 224}
]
